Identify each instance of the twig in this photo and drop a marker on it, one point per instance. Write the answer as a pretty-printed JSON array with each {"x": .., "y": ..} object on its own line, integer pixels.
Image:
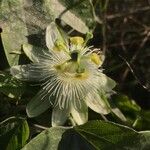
[
  {"x": 139, "y": 23},
  {"x": 104, "y": 24},
  {"x": 118, "y": 15},
  {"x": 96, "y": 18},
  {"x": 129, "y": 67},
  {"x": 125, "y": 43},
  {"x": 135, "y": 55}
]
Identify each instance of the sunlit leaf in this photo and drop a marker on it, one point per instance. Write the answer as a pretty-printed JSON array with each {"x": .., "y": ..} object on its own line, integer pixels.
[
  {"x": 77, "y": 14},
  {"x": 48, "y": 140},
  {"x": 14, "y": 30},
  {"x": 82, "y": 9}
]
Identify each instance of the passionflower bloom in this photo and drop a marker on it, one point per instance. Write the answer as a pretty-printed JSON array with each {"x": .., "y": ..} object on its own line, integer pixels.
[{"x": 70, "y": 78}]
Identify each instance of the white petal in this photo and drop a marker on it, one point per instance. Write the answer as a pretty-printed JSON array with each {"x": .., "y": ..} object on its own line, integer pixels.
[
  {"x": 23, "y": 72},
  {"x": 32, "y": 52},
  {"x": 80, "y": 115},
  {"x": 97, "y": 104},
  {"x": 52, "y": 34},
  {"x": 119, "y": 114},
  {"x": 59, "y": 116},
  {"x": 106, "y": 83}
]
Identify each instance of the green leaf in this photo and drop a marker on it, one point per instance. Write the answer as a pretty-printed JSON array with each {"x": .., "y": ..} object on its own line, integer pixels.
[
  {"x": 21, "y": 21},
  {"x": 71, "y": 140},
  {"x": 143, "y": 121},
  {"x": 94, "y": 135},
  {"x": 105, "y": 135},
  {"x": 10, "y": 86},
  {"x": 82, "y": 9},
  {"x": 77, "y": 14},
  {"x": 5, "y": 107},
  {"x": 14, "y": 132},
  {"x": 138, "y": 118},
  {"x": 47, "y": 140},
  {"x": 146, "y": 115},
  {"x": 14, "y": 30},
  {"x": 146, "y": 140},
  {"x": 125, "y": 104}
]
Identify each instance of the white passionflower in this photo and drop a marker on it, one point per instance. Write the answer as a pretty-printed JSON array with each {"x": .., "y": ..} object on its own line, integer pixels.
[{"x": 70, "y": 77}]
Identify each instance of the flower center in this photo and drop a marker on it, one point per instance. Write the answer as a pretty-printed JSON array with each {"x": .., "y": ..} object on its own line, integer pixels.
[
  {"x": 74, "y": 56},
  {"x": 73, "y": 68}
]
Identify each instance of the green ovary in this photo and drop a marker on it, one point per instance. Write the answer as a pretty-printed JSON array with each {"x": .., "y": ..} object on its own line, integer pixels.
[{"x": 73, "y": 69}]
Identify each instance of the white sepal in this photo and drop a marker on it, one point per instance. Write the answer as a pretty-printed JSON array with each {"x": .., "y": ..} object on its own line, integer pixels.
[
  {"x": 59, "y": 116},
  {"x": 32, "y": 52},
  {"x": 80, "y": 115},
  {"x": 97, "y": 104},
  {"x": 119, "y": 114},
  {"x": 106, "y": 83}
]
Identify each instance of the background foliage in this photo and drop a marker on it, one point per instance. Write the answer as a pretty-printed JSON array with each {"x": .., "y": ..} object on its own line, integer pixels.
[{"x": 121, "y": 28}]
